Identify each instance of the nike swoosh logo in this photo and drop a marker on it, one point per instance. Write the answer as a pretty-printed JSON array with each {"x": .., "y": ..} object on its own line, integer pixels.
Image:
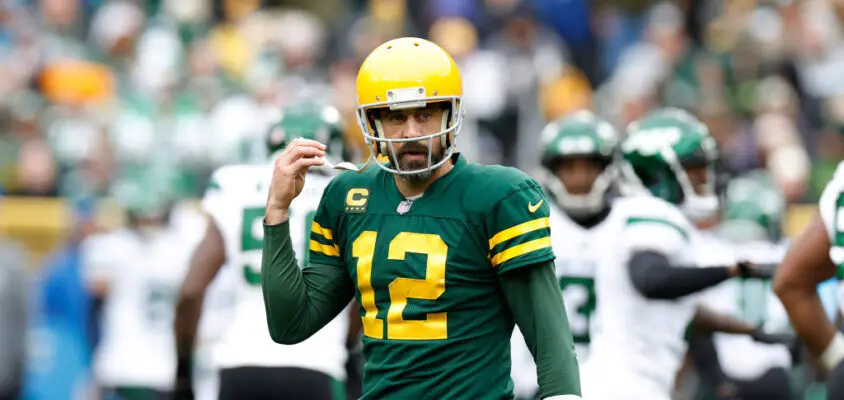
[{"x": 532, "y": 208}]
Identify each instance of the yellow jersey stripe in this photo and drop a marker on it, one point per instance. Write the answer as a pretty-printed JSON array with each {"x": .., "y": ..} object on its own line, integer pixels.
[
  {"x": 319, "y": 230},
  {"x": 517, "y": 230},
  {"x": 522, "y": 249},
  {"x": 329, "y": 250}
]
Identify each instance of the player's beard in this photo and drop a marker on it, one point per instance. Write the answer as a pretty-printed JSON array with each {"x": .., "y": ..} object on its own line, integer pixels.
[{"x": 406, "y": 164}]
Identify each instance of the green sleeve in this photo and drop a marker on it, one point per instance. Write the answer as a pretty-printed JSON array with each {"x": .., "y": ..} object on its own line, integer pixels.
[
  {"x": 298, "y": 301},
  {"x": 518, "y": 229},
  {"x": 536, "y": 301}
]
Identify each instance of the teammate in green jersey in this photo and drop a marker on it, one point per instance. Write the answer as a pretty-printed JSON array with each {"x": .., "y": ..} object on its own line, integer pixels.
[{"x": 441, "y": 255}]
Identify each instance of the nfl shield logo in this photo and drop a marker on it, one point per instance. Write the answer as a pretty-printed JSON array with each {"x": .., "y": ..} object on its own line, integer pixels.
[{"x": 404, "y": 207}]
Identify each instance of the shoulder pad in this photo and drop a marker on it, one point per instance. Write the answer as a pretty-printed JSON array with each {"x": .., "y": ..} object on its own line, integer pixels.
[
  {"x": 235, "y": 177},
  {"x": 652, "y": 208}
]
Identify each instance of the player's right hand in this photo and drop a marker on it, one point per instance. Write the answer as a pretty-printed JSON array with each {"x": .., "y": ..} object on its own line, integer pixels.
[
  {"x": 749, "y": 270},
  {"x": 289, "y": 176}
]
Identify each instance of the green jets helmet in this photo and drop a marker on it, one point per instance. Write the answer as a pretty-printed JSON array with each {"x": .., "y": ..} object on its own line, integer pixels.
[
  {"x": 656, "y": 152},
  {"x": 146, "y": 191},
  {"x": 579, "y": 135},
  {"x": 309, "y": 120},
  {"x": 753, "y": 208}
]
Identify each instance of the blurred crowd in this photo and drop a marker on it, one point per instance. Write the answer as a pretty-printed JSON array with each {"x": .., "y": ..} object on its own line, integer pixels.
[{"x": 96, "y": 90}]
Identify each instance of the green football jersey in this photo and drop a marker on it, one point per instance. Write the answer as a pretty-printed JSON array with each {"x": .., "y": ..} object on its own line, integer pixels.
[{"x": 435, "y": 321}]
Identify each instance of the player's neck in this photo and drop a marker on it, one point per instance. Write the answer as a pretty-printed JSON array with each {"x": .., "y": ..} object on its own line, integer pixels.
[{"x": 409, "y": 188}]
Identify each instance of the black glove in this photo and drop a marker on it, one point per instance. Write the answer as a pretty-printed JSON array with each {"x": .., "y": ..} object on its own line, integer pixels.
[
  {"x": 749, "y": 270},
  {"x": 835, "y": 383},
  {"x": 183, "y": 390},
  {"x": 787, "y": 339}
]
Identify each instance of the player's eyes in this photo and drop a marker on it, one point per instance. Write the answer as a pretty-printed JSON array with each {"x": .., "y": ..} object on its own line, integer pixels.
[{"x": 396, "y": 118}]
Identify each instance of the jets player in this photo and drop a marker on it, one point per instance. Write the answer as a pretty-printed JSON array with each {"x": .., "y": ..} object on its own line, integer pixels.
[
  {"x": 252, "y": 365},
  {"x": 814, "y": 257},
  {"x": 752, "y": 223},
  {"x": 138, "y": 269},
  {"x": 578, "y": 152},
  {"x": 442, "y": 255},
  {"x": 646, "y": 284}
]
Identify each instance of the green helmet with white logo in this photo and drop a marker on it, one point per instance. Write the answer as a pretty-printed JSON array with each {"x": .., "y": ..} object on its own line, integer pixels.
[
  {"x": 656, "y": 152},
  {"x": 146, "y": 191},
  {"x": 579, "y": 135},
  {"x": 753, "y": 208},
  {"x": 308, "y": 120}
]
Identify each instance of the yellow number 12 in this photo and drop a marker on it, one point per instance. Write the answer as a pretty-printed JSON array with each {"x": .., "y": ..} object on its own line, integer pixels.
[{"x": 435, "y": 326}]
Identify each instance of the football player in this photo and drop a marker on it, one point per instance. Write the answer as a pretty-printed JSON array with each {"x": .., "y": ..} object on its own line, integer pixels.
[
  {"x": 646, "y": 283},
  {"x": 251, "y": 364},
  {"x": 442, "y": 255},
  {"x": 814, "y": 257},
  {"x": 752, "y": 225},
  {"x": 137, "y": 271},
  {"x": 578, "y": 153}
]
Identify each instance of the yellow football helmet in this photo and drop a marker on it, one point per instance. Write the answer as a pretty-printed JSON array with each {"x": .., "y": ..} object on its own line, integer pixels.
[{"x": 408, "y": 73}]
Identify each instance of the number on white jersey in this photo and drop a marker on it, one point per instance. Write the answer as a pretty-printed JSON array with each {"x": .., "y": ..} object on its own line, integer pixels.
[
  {"x": 252, "y": 235},
  {"x": 160, "y": 305},
  {"x": 579, "y": 295}
]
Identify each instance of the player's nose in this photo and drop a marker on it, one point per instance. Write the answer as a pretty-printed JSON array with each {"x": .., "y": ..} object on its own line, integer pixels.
[{"x": 413, "y": 129}]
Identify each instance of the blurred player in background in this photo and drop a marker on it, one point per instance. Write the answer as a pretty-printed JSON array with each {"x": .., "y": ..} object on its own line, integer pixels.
[
  {"x": 814, "y": 257},
  {"x": 753, "y": 212},
  {"x": 750, "y": 229},
  {"x": 578, "y": 160},
  {"x": 137, "y": 271},
  {"x": 252, "y": 365},
  {"x": 647, "y": 281}
]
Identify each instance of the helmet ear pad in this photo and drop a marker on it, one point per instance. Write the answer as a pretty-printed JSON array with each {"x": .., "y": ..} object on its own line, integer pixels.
[
  {"x": 379, "y": 148},
  {"x": 445, "y": 141}
]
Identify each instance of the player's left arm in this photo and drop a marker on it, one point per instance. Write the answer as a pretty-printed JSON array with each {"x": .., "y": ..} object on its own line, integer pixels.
[
  {"x": 205, "y": 263},
  {"x": 706, "y": 319},
  {"x": 520, "y": 250},
  {"x": 534, "y": 297},
  {"x": 207, "y": 259},
  {"x": 805, "y": 266}
]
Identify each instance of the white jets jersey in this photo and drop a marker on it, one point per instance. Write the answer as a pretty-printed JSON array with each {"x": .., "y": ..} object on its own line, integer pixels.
[
  {"x": 831, "y": 206},
  {"x": 236, "y": 200},
  {"x": 578, "y": 251},
  {"x": 751, "y": 300},
  {"x": 636, "y": 340},
  {"x": 143, "y": 273}
]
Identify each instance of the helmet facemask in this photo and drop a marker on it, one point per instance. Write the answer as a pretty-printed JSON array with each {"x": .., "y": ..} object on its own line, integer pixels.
[
  {"x": 584, "y": 205},
  {"x": 409, "y": 99},
  {"x": 696, "y": 206}
]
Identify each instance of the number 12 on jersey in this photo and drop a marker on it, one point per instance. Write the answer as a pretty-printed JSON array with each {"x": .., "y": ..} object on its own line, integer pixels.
[{"x": 435, "y": 325}]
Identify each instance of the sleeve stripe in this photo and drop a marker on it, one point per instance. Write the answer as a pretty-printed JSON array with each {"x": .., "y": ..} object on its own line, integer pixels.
[
  {"x": 328, "y": 250},
  {"x": 522, "y": 249},
  {"x": 319, "y": 230},
  {"x": 517, "y": 230}
]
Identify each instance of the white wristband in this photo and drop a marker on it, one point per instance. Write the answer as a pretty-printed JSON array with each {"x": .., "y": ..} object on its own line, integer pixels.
[
  {"x": 564, "y": 397},
  {"x": 834, "y": 352}
]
